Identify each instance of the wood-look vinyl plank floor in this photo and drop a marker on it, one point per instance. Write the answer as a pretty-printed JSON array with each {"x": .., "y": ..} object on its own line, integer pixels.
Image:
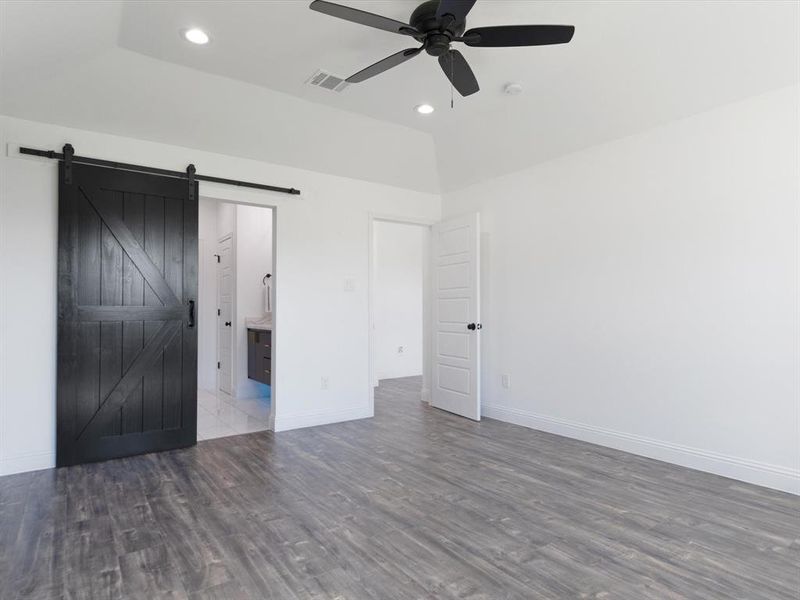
[{"x": 413, "y": 504}]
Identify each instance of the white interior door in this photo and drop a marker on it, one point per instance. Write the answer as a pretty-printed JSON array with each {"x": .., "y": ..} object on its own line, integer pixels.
[
  {"x": 456, "y": 316},
  {"x": 225, "y": 313}
]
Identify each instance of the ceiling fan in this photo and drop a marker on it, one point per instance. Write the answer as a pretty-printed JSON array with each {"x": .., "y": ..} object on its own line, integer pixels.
[{"x": 438, "y": 23}]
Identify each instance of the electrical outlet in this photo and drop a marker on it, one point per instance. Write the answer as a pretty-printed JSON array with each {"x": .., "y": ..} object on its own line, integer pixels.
[
  {"x": 323, "y": 383},
  {"x": 400, "y": 349},
  {"x": 506, "y": 381}
]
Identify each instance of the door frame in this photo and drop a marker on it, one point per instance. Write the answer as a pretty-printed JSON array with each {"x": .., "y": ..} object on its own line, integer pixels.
[
  {"x": 220, "y": 239},
  {"x": 426, "y": 301}
]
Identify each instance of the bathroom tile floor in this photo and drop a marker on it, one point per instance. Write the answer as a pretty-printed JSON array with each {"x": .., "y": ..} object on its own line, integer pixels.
[{"x": 221, "y": 415}]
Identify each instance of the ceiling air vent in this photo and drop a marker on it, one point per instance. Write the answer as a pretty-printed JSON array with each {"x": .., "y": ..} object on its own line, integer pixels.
[{"x": 325, "y": 80}]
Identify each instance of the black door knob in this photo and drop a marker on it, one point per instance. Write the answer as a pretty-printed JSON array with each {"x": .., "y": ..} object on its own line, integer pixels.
[
  {"x": 474, "y": 326},
  {"x": 227, "y": 323}
]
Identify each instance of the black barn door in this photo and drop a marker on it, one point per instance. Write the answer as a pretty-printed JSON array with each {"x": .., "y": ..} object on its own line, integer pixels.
[{"x": 127, "y": 343}]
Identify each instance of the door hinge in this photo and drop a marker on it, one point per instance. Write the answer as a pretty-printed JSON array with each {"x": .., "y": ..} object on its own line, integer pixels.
[
  {"x": 219, "y": 312},
  {"x": 217, "y": 255},
  {"x": 218, "y": 365}
]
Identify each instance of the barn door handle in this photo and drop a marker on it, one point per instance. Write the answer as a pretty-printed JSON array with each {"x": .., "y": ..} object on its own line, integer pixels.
[{"x": 191, "y": 313}]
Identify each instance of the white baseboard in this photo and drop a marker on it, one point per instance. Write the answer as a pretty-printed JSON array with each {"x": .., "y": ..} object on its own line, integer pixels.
[
  {"x": 322, "y": 417},
  {"x": 758, "y": 473},
  {"x": 30, "y": 462}
]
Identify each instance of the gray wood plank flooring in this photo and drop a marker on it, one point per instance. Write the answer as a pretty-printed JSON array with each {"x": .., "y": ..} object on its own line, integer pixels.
[{"x": 415, "y": 503}]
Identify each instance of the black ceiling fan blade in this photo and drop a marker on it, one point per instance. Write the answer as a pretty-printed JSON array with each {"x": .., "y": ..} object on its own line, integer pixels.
[
  {"x": 384, "y": 65},
  {"x": 518, "y": 35},
  {"x": 362, "y": 17},
  {"x": 459, "y": 73},
  {"x": 458, "y": 8}
]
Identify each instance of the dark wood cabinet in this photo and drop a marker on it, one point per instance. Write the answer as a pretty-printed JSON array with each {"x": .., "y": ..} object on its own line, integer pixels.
[{"x": 259, "y": 355}]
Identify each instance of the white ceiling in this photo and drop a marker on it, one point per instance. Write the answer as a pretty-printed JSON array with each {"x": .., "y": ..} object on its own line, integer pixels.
[{"x": 632, "y": 64}]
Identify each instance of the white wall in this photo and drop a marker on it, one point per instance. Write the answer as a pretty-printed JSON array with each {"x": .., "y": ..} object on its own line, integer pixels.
[
  {"x": 643, "y": 294},
  {"x": 398, "y": 299},
  {"x": 321, "y": 239}
]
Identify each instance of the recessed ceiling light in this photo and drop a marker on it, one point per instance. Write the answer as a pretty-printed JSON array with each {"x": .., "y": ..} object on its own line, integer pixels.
[
  {"x": 424, "y": 109},
  {"x": 196, "y": 36}
]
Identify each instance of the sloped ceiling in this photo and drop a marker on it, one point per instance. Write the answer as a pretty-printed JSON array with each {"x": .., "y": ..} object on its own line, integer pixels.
[{"x": 632, "y": 65}]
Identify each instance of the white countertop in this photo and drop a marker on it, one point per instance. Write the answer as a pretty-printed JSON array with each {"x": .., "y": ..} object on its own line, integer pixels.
[{"x": 259, "y": 323}]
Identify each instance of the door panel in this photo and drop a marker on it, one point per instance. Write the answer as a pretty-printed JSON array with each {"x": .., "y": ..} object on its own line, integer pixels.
[
  {"x": 133, "y": 286},
  {"x": 127, "y": 351},
  {"x": 224, "y": 332},
  {"x": 456, "y": 355}
]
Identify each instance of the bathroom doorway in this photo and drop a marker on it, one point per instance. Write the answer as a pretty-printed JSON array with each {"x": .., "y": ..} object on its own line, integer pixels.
[{"x": 236, "y": 288}]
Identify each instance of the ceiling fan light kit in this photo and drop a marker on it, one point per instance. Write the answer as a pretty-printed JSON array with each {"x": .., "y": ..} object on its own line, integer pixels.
[{"x": 436, "y": 24}]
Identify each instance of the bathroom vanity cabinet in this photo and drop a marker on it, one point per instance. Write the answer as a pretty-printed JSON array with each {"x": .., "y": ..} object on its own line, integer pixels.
[{"x": 259, "y": 355}]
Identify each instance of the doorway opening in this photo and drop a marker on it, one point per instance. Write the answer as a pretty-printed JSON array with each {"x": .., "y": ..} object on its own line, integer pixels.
[
  {"x": 236, "y": 291},
  {"x": 399, "y": 310},
  {"x": 450, "y": 322}
]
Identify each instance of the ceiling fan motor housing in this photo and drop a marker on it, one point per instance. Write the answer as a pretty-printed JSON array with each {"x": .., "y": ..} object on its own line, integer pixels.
[{"x": 437, "y": 38}]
